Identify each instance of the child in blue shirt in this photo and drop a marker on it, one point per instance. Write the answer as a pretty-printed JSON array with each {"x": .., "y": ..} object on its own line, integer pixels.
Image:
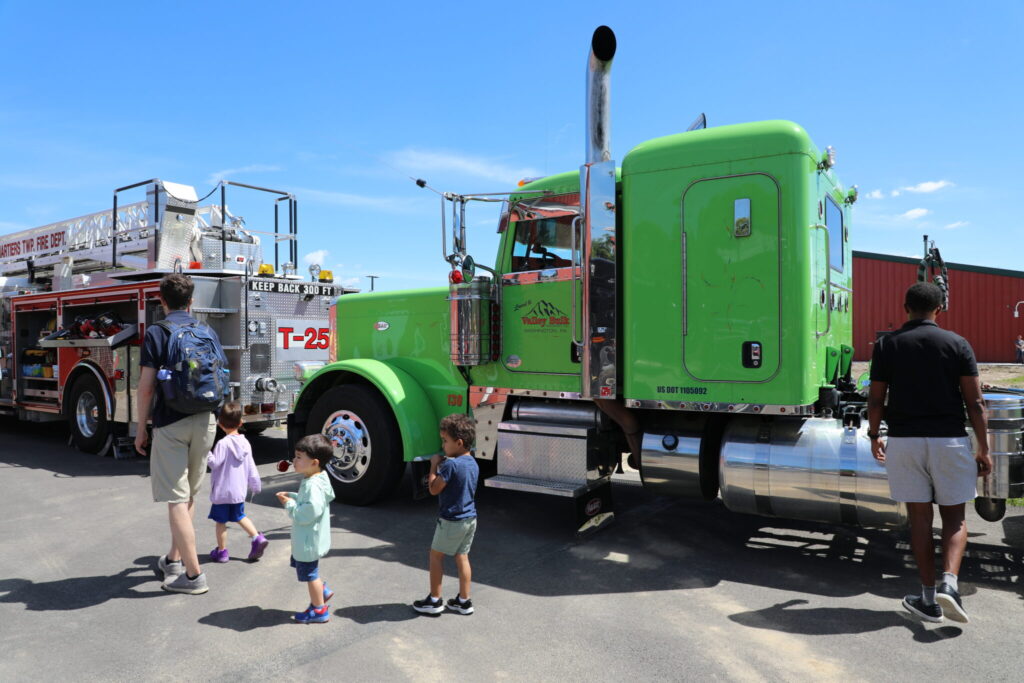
[{"x": 452, "y": 479}]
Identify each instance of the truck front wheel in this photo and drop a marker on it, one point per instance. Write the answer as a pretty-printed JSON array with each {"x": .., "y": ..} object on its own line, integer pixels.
[
  {"x": 87, "y": 414},
  {"x": 367, "y": 462}
]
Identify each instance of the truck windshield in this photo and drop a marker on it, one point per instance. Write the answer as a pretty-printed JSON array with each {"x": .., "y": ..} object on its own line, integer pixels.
[{"x": 543, "y": 243}]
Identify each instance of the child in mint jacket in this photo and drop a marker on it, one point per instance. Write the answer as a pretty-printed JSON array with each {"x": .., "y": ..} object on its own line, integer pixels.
[{"x": 310, "y": 510}]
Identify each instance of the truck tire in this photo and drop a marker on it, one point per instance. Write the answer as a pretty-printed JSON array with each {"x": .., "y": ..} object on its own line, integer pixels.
[
  {"x": 367, "y": 463},
  {"x": 87, "y": 414}
]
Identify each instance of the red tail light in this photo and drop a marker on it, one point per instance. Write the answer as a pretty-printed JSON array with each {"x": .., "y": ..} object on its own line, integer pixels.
[{"x": 455, "y": 277}]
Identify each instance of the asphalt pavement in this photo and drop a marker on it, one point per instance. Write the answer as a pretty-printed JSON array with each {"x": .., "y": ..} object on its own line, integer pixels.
[{"x": 672, "y": 590}]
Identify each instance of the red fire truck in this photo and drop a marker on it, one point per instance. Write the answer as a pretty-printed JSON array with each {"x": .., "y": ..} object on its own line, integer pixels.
[{"x": 76, "y": 296}]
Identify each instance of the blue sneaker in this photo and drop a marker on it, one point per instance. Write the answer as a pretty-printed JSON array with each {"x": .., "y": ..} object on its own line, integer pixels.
[{"x": 313, "y": 615}]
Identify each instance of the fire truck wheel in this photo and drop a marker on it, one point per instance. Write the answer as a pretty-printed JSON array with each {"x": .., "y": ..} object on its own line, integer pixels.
[
  {"x": 87, "y": 415},
  {"x": 367, "y": 462}
]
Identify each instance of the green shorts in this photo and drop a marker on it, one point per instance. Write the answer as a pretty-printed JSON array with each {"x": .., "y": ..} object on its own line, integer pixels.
[{"x": 454, "y": 538}]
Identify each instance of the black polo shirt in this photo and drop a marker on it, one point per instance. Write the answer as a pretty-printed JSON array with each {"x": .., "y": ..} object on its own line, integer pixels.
[{"x": 922, "y": 364}]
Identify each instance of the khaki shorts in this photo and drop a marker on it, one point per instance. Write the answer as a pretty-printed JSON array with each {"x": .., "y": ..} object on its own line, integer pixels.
[
  {"x": 926, "y": 469},
  {"x": 454, "y": 538},
  {"x": 177, "y": 461}
]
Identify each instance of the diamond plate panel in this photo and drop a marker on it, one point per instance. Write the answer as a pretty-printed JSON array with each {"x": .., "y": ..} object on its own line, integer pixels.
[{"x": 537, "y": 453}]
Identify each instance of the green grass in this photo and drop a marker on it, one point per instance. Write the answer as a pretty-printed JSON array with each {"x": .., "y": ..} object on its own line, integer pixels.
[
  {"x": 1013, "y": 381},
  {"x": 1016, "y": 502}
]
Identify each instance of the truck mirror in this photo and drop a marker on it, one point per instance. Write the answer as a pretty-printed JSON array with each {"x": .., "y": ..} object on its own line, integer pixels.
[
  {"x": 468, "y": 268},
  {"x": 503, "y": 217}
]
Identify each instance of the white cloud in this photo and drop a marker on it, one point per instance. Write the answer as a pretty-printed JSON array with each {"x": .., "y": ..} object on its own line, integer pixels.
[
  {"x": 958, "y": 224},
  {"x": 928, "y": 186},
  {"x": 317, "y": 257},
  {"x": 422, "y": 163},
  {"x": 874, "y": 194},
  {"x": 914, "y": 214},
  {"x": 252, "y": 168},
  {"x": 894, "y": 193},
  {"x": 388, "y": 204}
]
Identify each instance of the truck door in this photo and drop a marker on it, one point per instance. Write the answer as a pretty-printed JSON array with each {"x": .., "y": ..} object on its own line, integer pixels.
[
  {"x": 731, "y": 279},
  {"x": 536, "y": 298}
]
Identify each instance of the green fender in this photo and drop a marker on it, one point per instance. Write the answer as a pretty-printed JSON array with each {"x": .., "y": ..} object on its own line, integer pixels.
[{"x": 416, "y": 419}]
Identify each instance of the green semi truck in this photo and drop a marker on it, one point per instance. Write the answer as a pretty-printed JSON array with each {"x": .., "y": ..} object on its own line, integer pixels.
[{"x": 691, "y": 306}]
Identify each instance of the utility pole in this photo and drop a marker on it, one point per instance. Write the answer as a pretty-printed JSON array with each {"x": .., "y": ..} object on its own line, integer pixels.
[{"x": 372, "y": 278}]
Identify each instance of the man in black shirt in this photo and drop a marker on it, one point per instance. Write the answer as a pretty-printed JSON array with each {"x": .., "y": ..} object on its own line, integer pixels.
[
  {"x": 928, "y": 375},
  {"x": 181, "y": 443}
]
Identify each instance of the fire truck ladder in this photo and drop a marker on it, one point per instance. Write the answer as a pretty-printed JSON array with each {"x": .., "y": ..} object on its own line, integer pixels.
[{"x": 170, "y": 216}]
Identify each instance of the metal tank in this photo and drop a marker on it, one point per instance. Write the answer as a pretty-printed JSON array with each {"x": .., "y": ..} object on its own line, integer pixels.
[
  {"x": 1006, "y": 445},
  {"x": 471, "y": 321},
  {"x": 805, "y": 468}
]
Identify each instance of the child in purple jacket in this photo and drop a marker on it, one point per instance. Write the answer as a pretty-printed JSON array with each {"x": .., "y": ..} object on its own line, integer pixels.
[{"x": 232, "y": 472}]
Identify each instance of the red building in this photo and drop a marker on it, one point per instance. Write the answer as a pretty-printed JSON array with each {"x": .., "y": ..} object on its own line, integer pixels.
[{"x": 981, "y": 304}]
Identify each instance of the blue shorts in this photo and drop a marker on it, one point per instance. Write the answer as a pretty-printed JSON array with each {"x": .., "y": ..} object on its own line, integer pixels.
[
  {"x": 227, "y": 512},
  {"x": 307, "y": 571}
]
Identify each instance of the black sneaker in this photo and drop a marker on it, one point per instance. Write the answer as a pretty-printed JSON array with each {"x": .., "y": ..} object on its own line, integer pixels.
[
  {"x": 457, "y": 604},
  {"x": 949, "y": 599},
  {"x": 429, "y": 605},
  {"x": 915, "y": 605}
]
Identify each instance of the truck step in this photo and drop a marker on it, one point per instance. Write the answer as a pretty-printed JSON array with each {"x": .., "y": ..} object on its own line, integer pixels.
[
  {"x": 545, "y": 486},
  {"x": 123, "y": 448}
]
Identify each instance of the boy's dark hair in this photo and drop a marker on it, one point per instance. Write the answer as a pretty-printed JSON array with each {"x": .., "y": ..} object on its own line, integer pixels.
[
  {"x": 923, "y": 297},
  {"x": 230, "y": 415},
  {"x": 316, "y": 447},
  {"x": 460, "y": 427},
  {"x": 176, "y": 289}
]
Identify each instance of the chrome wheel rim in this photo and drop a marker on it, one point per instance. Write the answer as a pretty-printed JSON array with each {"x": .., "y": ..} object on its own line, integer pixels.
[
  {"x": 87, "y": 414},
  {"x": 350, "y": 440}
]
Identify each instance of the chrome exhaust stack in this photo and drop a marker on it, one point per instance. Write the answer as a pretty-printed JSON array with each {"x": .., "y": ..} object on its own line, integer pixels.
[{"x": 599, "y": 67}]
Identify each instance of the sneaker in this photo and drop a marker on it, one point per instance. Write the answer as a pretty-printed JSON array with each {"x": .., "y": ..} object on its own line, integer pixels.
[
  {"x": 218, "y": 555},
  {"x": 949, "y": 600},
  {"x": 169, "y": 570},
  {"x": 328, "y": 593},
  {"x": 183, "y": 584},
  {"x": 313, "y": 615},
  {"x": 457, "y": 604},
  {"x": 259, "y": 544},
  {"x": 915, "y": 605},
  {"x": 429, "y": 605}
]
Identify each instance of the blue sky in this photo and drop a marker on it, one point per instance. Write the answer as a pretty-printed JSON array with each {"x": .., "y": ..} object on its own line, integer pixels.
[{"x": 341, "y": 102}]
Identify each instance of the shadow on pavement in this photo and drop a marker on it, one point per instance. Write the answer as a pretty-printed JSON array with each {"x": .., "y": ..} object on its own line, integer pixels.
[
  {"x": 80, "y": 592},
  {"x": 819, "y": 621},
  {"x": 369, "y": 614},
  {"x": 249, "y": 618}
]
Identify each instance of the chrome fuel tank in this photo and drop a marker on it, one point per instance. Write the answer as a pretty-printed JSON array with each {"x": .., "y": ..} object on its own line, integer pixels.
[
  {"x": 805, "y": 468},
  {"x": 1006, "y": 445}
]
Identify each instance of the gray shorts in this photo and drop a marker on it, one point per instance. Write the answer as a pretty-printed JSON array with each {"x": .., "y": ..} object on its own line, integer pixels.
[
  {"x": 454, "y": 537},
  {"x": 926, "y": 469},
  {"x": 177, "y": 461}
]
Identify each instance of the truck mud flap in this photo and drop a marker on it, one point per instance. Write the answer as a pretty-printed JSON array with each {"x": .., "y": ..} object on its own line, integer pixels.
[{"x": 594, "y": 509}]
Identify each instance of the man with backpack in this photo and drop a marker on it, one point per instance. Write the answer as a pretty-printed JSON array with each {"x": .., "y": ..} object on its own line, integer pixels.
[{"x": 183, "y": 365}]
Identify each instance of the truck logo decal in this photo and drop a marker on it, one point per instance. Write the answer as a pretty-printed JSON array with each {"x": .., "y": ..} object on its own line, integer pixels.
[
  {"x": 545, "y": 314},
  {"x": 593, "y": 507},
  {"x": 513, "y": 362},
  {"x": 381, "y": 325}
]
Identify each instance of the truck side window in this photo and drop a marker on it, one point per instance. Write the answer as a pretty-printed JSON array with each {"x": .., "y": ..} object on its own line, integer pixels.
[
  {"x": 543, "y": 243},
  {"x": 834, "y": 222}
]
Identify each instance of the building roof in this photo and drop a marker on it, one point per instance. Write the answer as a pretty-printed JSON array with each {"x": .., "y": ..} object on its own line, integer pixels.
[{"x": 951, "y": 266}]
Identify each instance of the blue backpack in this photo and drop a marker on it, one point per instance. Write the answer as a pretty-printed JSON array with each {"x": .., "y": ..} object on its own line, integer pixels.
[{"x": 195, "y": 377}]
